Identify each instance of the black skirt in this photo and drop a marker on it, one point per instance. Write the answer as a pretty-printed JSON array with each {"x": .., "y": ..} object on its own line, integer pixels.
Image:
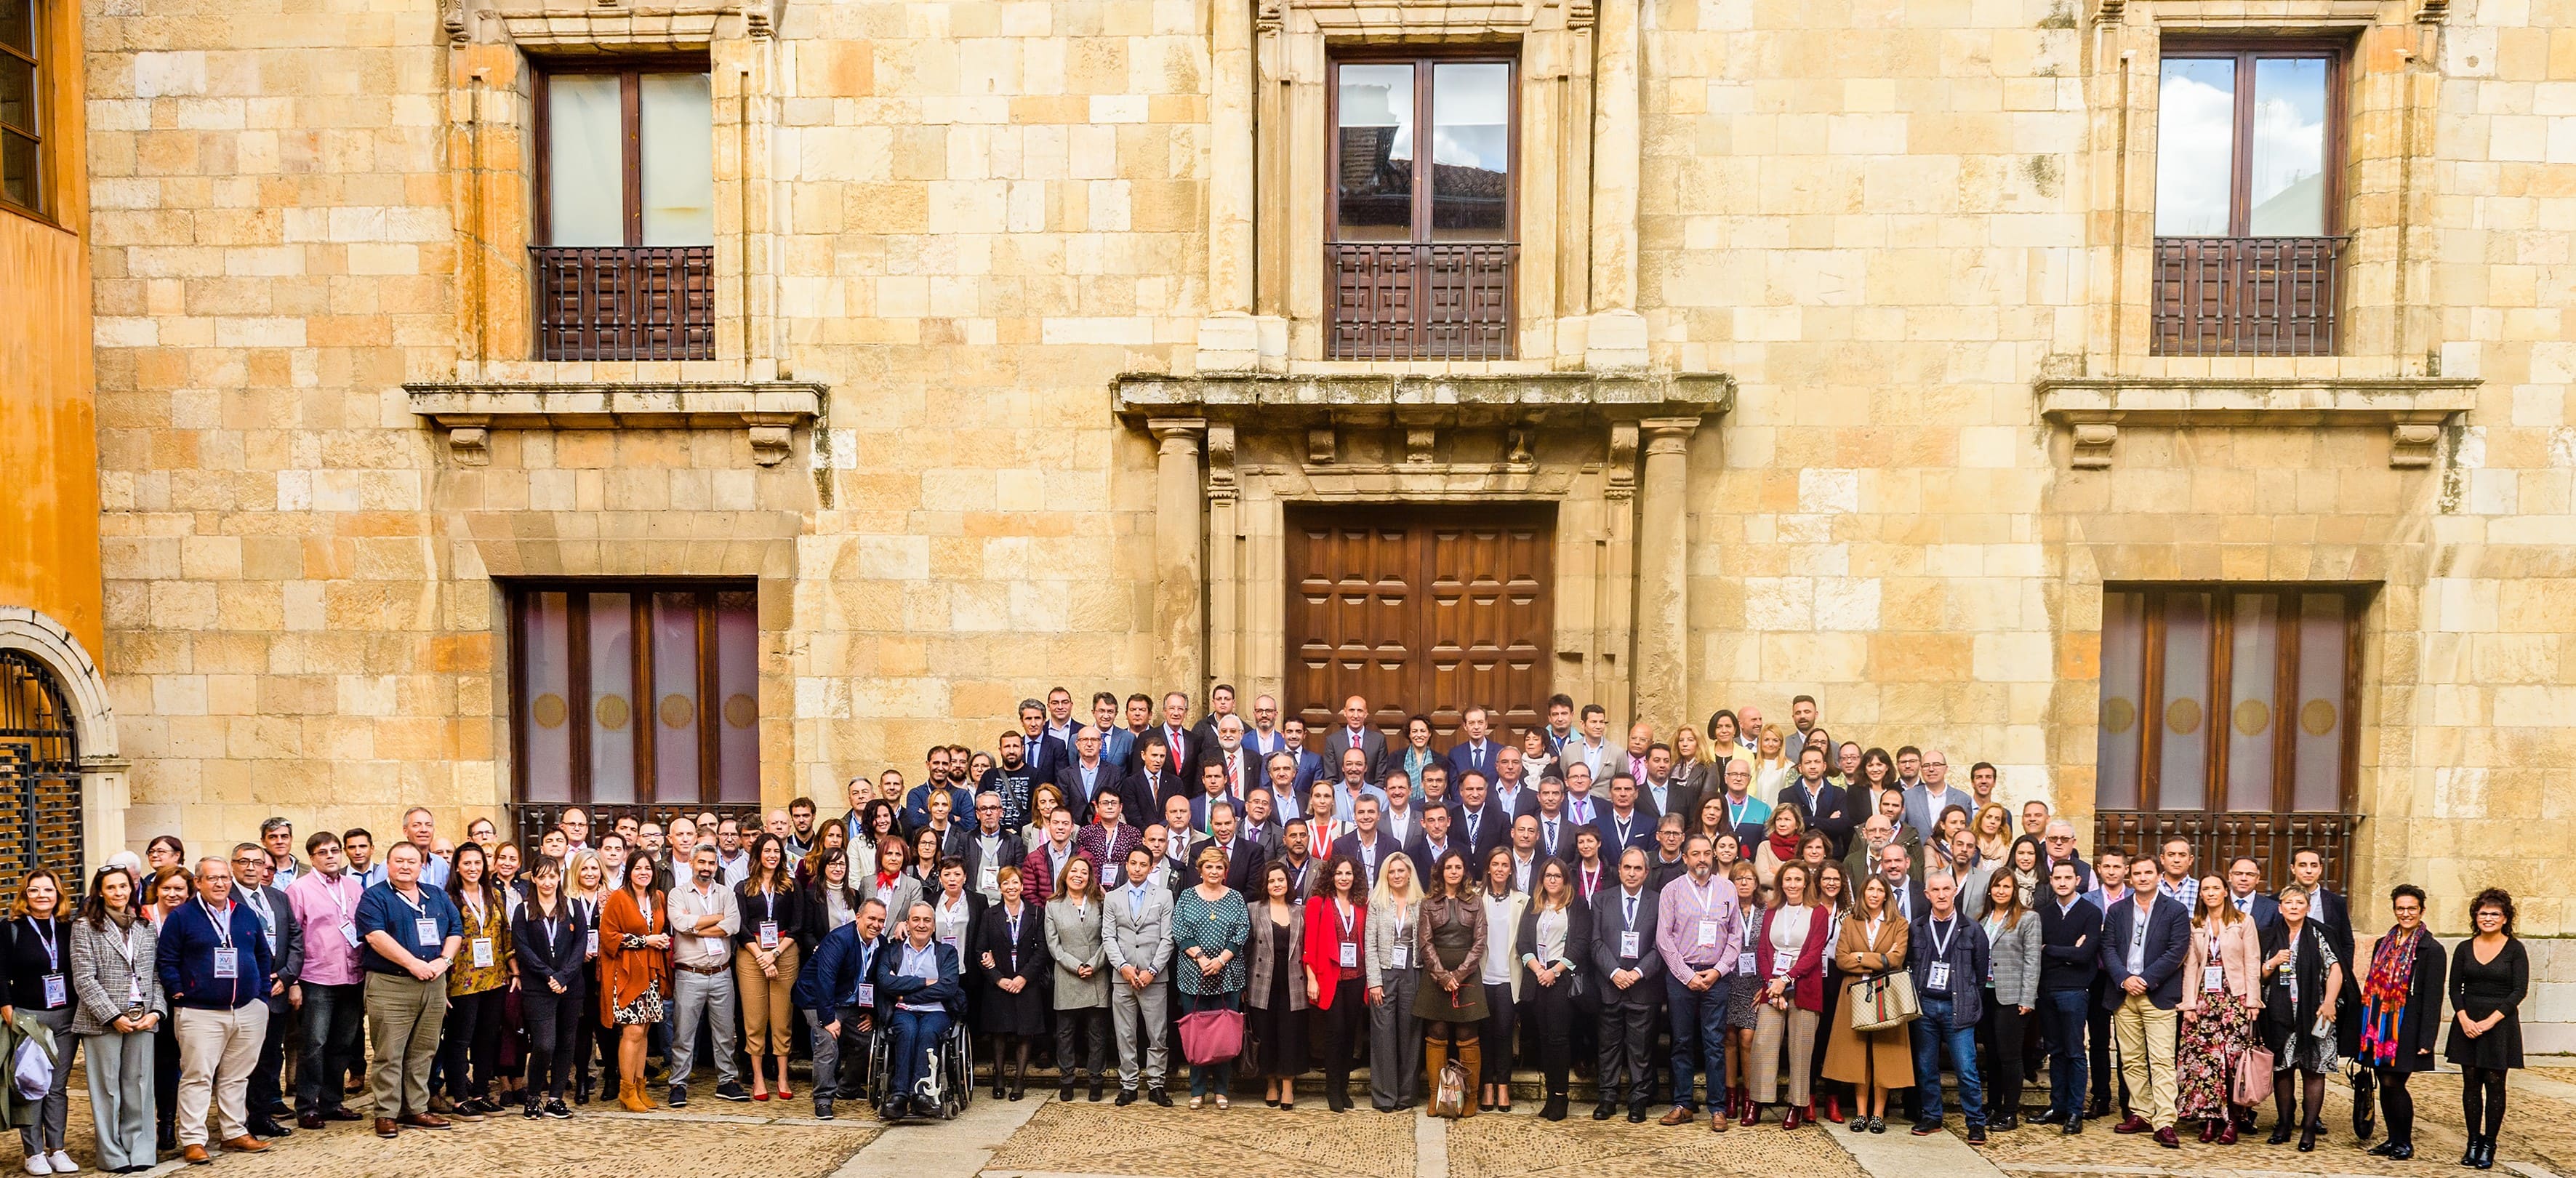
[
  {"x": 2481, "y": 990},
  {"x": 1278, "y": 1034}
]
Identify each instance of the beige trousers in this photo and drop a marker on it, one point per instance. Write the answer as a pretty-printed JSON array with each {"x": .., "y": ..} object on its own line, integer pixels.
[
  {"x": 1770, "y": 1028},
  {"x": 2144, "y": 1037},
  {"x": 217, "y": 1049}
]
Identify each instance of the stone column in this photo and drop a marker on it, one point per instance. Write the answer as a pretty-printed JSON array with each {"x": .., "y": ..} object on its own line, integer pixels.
[
  {"x": 1228, "y": 338},
  {"x": 1663, "y": 572},
  {"x": 1617, "y": 338},
  {"x": 1180, "y": 538}
]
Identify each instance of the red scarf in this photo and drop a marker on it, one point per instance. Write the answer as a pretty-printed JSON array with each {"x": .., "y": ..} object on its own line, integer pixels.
[{"x": 1784, "y": 847}]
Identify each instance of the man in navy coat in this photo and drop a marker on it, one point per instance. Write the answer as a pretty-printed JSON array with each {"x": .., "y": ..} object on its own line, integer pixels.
[
  {"x": 2145, "y": 938},
  {"x": 918, "y": 999}
]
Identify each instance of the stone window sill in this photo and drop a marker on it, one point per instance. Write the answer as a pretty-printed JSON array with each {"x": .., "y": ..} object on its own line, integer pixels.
[
  {"x": 2413, "y": 408},
  {"x": 768, "y": 411}
]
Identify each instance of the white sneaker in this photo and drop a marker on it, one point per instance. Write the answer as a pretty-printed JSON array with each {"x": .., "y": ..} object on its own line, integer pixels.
[
  {"x": 63, "y": 1163},
  {"x": 36, "y": 1164}
]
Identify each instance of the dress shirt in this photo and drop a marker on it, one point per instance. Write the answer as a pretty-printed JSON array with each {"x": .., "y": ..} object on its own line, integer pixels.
[
  {"x": 920, "y": 963},
  {"x": 1579, "y": 807},
  {"x": 1555, "y": 836},
  {"x": 688, "y": 906},
  {"x": 2138, "y": 941},
  {"x": 732, "y": 871},
  {"x": 1685, "y": 905},
  {"x": 323, "y": 906}
]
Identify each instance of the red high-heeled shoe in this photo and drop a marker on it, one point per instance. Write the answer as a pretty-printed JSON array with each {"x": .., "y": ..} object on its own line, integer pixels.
[
  {"x": 1752, "y": 1113},
  {"x": 1833, "y": 1109}
]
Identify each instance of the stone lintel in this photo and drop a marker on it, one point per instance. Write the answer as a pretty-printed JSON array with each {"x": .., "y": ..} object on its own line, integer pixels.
[
  {"x": 769, "y": 411},
  {"x": 2412, "y": 407},
  {"x": 1321, "y": 402}
]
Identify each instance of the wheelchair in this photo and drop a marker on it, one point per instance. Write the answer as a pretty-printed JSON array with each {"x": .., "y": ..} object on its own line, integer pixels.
[{"x": 948, "y": 1088}]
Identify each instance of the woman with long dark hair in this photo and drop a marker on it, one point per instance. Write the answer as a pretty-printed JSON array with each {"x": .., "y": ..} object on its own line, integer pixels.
[
  {"x": 764, "y": 961},
  {"x": 1011, "y": 951},
  {"x": 551, "y": 938},
  {"x": 1275, "y": 990},
  {"x": 2490, "y": 977},
  {"x": 484, "y": 972},
  {"x": 634, "y": 972},
  {"x": 1336, "y": 937},
  {"x": 1554, "y": 931},
  {"x": 1451, "y": 942},
  {"x": 119, "y": 1002},
  {"x": 1073, "y": 940}
]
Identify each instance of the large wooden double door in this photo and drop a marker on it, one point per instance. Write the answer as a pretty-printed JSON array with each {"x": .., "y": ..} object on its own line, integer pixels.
[{"x": 1420, "y": 610}]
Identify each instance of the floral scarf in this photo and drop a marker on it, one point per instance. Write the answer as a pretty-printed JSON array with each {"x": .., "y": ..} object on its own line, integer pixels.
[{"x": 2383, "y": 996}]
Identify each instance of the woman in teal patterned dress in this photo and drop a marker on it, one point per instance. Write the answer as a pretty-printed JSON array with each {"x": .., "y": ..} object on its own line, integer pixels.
[{"x": 1209, "y": 928}]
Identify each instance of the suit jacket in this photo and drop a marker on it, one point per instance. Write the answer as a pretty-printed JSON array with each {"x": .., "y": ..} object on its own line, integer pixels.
[
  {"x": 1265, "y": 962},
  {"x": 1117, "y": 747},
  {"x": 1563, "y": 846},
  {"x": 1679, "y": 798},
  {"x": 841, "y": 961},
  {"x": 1828, "y": 810},
  {"x": 893, "y": 985},
  {"x": 2240, "y": 961},
  {"x": 1180, "y": 755},
  {"x": 1464, "y": 759},
  {"x": 1372, "y": 743},
  {"x": 1013, "y": 854},
  {"x": 1381, "y": 849},
  {"x": 1149, "y": 791},
  {"x": 2168, "y": 943},
  {"x": 1641, "y": 831},
  {"x": 1023, "y": 958},
  {"x": 559, "y": 958},
  {"x": 1922, "y": 817},
  {"x": 1480, "y": 831},
  {"x": 1137, "y": 935},
  {"x": 1046, "y": 756},
  {"x": 1077, "y": 799},
  {"x": 1242, "y": 863},
  {"x": 2261, "y": 909},
  {"x": 289, "y": 951},
  {"x": 1310, "y": 766},
  {"x": 1521, "y": 801},
  {"x": 1261, "y": 746},
  {"x": 1609, "y": 919},
  {"x": 1073, "y": 941},
  {"x": 1426, "y": 856}
]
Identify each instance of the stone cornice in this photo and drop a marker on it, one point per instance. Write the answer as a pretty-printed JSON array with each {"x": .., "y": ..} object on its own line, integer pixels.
[
  {"x": 2413, "y": 407},
  {"x": 1269, "y": 402},
  {"x": 768, "y": 410}
]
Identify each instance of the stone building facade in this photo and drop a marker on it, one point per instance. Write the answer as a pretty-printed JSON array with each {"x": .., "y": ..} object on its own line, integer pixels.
[{"x": 1842, "y": 348}]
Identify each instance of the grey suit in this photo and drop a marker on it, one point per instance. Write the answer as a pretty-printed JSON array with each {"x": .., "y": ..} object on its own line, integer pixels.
[
  {"x": 1138, "y": 934},
  {"x": 121, "y": 1098},
  {"x": 1081, "y": 1004},
  {"x": 1395, "y": 1036},
  {"x": 1923, "y": 816},
  {"x": 1372, "y": 743}
]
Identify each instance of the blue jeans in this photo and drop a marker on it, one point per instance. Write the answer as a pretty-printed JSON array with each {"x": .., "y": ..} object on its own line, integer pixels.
[
  {"x": 1932, "y": 1032},
  {"x": 1699, "y": 1037},
  {"x": 1209, "y": 1079},
  {"x": 2065, "y": 1012},
  {"x": 333, "y": 1043},
  {"x": 917, "y": 1034}
]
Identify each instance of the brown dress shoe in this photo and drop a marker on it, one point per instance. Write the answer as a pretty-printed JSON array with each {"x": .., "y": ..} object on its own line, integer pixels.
[
  {"x": 385, "y": 1127},
  {"x": 194, "y": 1155},
  {"x": 426, "y": 1121},
  {"x": 1679, "y": 1116},
  {"x": 308, "y": 1120},
  {"x": 1717, "y": 1121},
  {"x": 246, "y": 1144}
]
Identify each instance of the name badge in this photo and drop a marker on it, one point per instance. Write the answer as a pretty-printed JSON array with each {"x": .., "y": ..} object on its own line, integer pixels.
[
  {"x": 867, "y": 994},
  {"x": 768, "y": 934},
  {"x": 55, "y": 995},
  {"x": 272, "y": 942},
  {"x": 1708, "y": 932},
  {"x": 1628, "y": 943},
  {"x": 1780, "y": 963},
  {"x": 1350, "y": 955},
  {"x": 425, "y": 931},
  {"x": 2213, "y": 978},
  {"x": 482, "y": 952},
  {"x": 594, "y": 943},
  {"x": 1399, "y": 956},
  {"x": 1937, "y": 977},
  {"x": 349, "y": 933},
  {"x": 227, "y": 964},
  {"x": 1744, "y": 962}
]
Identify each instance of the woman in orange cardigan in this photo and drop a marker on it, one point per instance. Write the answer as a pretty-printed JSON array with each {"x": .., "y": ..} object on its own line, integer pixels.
[
  {"x": 1336, "y": 926},
  {"x": 634, "y": 972}
]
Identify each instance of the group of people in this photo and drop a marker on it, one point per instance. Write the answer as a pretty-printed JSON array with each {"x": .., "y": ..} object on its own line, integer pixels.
[{"x": 1730, "y": 918}]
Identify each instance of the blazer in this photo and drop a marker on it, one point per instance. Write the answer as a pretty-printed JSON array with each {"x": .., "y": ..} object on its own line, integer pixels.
[
  {"x": 1068, "y": 779},
  {"x": 1609, "y": 919},
  {"x": 101, "y": 979},
  {"x": 1117, "y": 747},
  {"x": 561, "y": 957},
  {"x": 1011, "y": 854},
  {"x": 1464, "y": 759},
  {"x": 1321, "y": 951},
  {"x": 1426, "y": 857},
  {"x": 289, "y": 951},
  {"x": 893, "y": 985},
  {"x": 2014, "y": 954},
  {"x": 1372, "y": 745},
  {"x": 2070, "y": 945},
  {"x": 1383, "y": 849},
  {"x": 2240, "y": 959},
  {"x": 1377, "y": 954},
  {"x": 1138, "y": 935},
  {"x": 1141, "y": 795},
  {"x": 1829, "y": 810},
  {"x": 1641, "y": 829},
  {"x": 1578, "y": 945},
  {"x": 1045, "y": 753},
  {"x": 2168, "y": 942},
  {"x": 1967, "y": 954},
  {"x": 1022, "y": 958},
  {"x": 1480, "y": 831},
  {"x": 1072, "y": 942},
  {"x": 1563, "y": 847},
  {"x": 1807, "y": 972},
  {"x": 898, "y": 896},
  {"x": 1679, "y": 798},
  {"x": 1243, "y": 862},
  {"x": 1514, "y": 905}
]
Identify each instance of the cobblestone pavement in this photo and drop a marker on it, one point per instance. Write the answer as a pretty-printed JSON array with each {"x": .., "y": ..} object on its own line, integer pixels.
[
  {"x": 1490, "y": 1146},
  {"x": 1248, "y": 1139}
]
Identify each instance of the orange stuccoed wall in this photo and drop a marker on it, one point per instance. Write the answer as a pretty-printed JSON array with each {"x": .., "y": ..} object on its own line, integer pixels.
[{"x": 49, "y": 556}]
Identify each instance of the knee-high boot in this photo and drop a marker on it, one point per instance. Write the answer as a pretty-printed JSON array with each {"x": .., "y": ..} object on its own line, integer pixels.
[
  {"x": 1471, "y": 1058},
  {"x": 1435, "y": 1055}
]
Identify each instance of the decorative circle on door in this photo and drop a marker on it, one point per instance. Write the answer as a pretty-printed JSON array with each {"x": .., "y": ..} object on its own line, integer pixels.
[
  {"x": 2183, "y": 716},
  {"x": 2252, "y": 717},
  {"x": 740, "y": 711},
  {"x": 677, "y": 711},
  {"x": 2317, "y": 717},
  {"x": 2118, "y": 715},
  {"x": 548, "y": 710},
  {"x": 613, "y": 712}
]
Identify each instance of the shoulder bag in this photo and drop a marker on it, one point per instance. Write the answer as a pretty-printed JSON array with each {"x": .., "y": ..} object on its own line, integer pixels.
[{"x": 1884, "y": 1000}]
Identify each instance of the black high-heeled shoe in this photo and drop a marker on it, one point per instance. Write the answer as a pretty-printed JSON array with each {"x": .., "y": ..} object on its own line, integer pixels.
[
  {"x": 2281, "y": 1133},
  {"x": 2469, "y": 1155},
  {"x": 2308, "y": 1139}
]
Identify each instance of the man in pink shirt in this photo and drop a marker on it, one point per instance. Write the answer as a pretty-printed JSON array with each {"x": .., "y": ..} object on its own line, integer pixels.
[
  {"x": 324, "y": 901},
  {"x": 1700, "y": 933}
]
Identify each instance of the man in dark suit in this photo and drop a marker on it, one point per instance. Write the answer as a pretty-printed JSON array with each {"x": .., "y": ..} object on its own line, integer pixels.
[
  {"x": 1243, "y": 857},
  {"x": 1475, "y": 750},
  {"x": 2245, "y": 891},
  {"x": 1555, "y": 827},
  {"x": 1354, "y": 732},
  {"x": 1367, "y": 842},
  {"x": 1203, "y": 733},
  {"x": 1087, "y": 776},
  {"x": 1310, "y": 764},
  {"x": 1660, "y": 793},
  {"x": 989, "y": 847},
  {"x": 1478, "y": 822},
  {"x": 1045, "y": 754},
  {"x": 1178, "y": 745},
  {"x": 1828, "y": 807},
  {"x": 1117, "y": 745},
  {"x": 265, "y": 1094},
  {"x": 1212, "y": 791},
  {"x": 1431, "y": 841},
  {"x": 2070, "y": 933},
  {"x": 1623, "y": 823},
  {"x": 2144, "y": 940},
  {"x": 1511, "y": 790},
  {"x": 1630, "y": 974}
]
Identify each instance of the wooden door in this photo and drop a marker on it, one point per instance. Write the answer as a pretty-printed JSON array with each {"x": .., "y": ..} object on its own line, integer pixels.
[{"x": 1420, "y": 610}]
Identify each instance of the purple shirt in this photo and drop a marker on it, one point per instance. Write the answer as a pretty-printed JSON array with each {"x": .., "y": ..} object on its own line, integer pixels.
[
  {"x": 1677, "y": 925},
  {"x": 321, "y": 908}
]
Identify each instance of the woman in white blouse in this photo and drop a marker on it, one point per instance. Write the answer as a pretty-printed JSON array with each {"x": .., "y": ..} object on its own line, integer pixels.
[
  {"x": 1502, "y": 978},
  {"x": 1552, "y": 934}
]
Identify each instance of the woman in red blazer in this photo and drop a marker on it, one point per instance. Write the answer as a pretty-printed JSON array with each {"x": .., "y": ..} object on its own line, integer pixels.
[
  {"x": 1789, "y": 957},
  {"x": 1336, "y": 926}
]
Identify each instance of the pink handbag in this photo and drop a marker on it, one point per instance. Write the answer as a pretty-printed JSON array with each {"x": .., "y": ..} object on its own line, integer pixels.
[
  {"x": 1211, "y": 1036},
  {"x": 2252, "y": 1083}
]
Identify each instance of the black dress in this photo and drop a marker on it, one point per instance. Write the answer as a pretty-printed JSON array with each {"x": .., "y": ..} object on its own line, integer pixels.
[
  {"x": 2478, "y": 990},
  {"x": 1280, "y": 1031},
  {"x": 999, "y": 1012}
]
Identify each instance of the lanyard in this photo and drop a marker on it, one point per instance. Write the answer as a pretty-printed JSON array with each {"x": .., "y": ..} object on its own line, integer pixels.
[
  {"x": 223, "y": 927},
  {"x": 45, "y": 937},
  {"x": 1343, "y": 912},
  {"x": 1735, "y": 811},
  {"x": 1940, "y": 942}
]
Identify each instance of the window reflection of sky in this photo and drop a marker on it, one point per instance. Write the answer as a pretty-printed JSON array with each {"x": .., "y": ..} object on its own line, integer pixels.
[{"x": 2195, "y": 147}]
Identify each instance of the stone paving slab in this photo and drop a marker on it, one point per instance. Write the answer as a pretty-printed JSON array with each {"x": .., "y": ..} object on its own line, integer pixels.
[
  {"x": 1491, "y": 1145},
  {"x": 1247, "y": 1140}
]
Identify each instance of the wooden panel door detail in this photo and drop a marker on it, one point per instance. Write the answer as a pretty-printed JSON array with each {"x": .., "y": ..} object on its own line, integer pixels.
[{"x": 1419, "y": 610}]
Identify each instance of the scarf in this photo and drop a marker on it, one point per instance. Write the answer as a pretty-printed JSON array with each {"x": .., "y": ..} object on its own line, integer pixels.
[
  {"x": 2383, "y": 996},
  {"x": 1784, "y": 847}
]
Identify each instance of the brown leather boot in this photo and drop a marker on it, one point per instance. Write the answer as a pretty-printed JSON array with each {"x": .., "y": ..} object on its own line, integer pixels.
[
  {"x": 1435, "y": 1055},
  {"x": 630, "y": 1096},
  {"x": 1471, "y": 1057}
]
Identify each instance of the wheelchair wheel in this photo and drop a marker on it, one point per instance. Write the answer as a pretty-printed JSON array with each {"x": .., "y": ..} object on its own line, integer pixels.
[
  {"x": 880, "y": 1054},
  {"x": 956, "y": 1072}
]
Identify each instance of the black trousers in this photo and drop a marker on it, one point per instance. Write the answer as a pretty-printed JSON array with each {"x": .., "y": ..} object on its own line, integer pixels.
[
  {"x": 554, "y": 1022},
  {"x": 1091, "y": 1027},
  {"x": 2001, "y": 1030},
  {"x": 1345, "y": 1027},
  {"x": 334, "y": 1020},
  {"x": 473, "y": 1043},
  {"x": 1551, "y": 1016},
  {"x": 1627, "y": 1041},
  {"x": 263, "y": 1096},
  {"x": 1497, "y": 1032}
]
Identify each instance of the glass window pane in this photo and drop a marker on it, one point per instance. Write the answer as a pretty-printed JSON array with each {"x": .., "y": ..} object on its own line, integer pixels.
[
  {"x": 18, "y": 183},
  {"x": 2182, "y": 768},
  {"x": 2124, "y": 638},
  {"x": 17, "y": 92},
  {"x": 2253, "y": 675},
  {"x": 2287, "y": 174},
  {"x": 545, "y": 665},
  {"x": 585, "y": 160},
  {"x": 1374, "y": 104},
  {"x": 1471, "y": 150},
  {"x": 18, "y": 25},
  {"x": 678, "y": 117},
  {"x": 2195, "y": 146},
  {"x": 738, "y": 683},
  {"x": 612, "y": 697},
  {"x": 675, "y": 696},
  {"x": 2324, "y": 632}
]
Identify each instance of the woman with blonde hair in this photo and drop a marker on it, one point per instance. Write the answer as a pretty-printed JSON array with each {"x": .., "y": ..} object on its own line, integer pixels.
[
  {"x": 1993, "y": 825},
  {"x": 1394, "y": 979},
  {"x": 1772, "y": 771},
  {"x": 1694, "y": 770}
]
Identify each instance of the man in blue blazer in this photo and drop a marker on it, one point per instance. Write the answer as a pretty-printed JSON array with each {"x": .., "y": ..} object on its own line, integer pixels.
[
  {"x": 1117, "y": 745},
  {"x": 836, "y": 986},
  {"x": 2070, "y": 936},
  {"x": 1475, "y": 751},
  {"x": 1827, "y": 807},
  {"x": 918, "y": 999},
  {"x": 1042, "y": 751},
  {"x": 2145, "y": 938}
]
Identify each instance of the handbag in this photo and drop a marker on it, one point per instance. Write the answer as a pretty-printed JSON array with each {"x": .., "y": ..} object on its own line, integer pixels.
[
  {"x": 1884, "y": 1000},
  {"x": 1449, "y": 1095},
  {"x": 2252, "y": 1081},
  {"x": 1211, "y": 1036}
]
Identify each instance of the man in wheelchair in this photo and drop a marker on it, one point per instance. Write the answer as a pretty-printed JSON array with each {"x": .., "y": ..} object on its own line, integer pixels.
[
  {"x": 839, "y": 983},
  {"x": 919, "y": 999}
]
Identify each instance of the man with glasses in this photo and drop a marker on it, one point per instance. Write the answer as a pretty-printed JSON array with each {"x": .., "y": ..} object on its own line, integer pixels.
[
  {"x": 992, "y": 846},
  {"x": 1923, "y": 806},
  {"x": 1264, "y": 738},
  {"x": 286, "y": 948},
  {"x": 322, "y": 905}
]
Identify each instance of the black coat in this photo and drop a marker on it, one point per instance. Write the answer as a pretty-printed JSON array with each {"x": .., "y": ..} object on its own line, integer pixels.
[
  {"x": 1609, "y": 919},
  {"x": 2284, "y": 1019},
  {"x": 1578, "y": 952},
  {"x": 560, "y": 957},
  {"x": 786, "y": 907},
  {"x": 2069, "y": 945},
  {"x": 997, "y": 1012},
  {"x": 2419, "y": 1021}
]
